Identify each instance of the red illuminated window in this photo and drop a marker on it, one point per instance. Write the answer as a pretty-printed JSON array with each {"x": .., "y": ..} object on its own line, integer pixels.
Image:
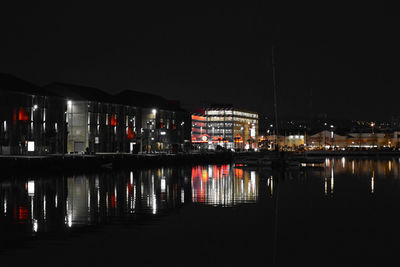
[
  {"x": 130, "y": 134},
  {"x": 113, "y": 120}
]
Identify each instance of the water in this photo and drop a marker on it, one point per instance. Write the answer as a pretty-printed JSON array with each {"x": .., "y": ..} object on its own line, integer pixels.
[{"x": 344, "y": 213}]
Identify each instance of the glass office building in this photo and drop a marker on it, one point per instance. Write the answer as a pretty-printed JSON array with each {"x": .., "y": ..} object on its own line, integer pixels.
[{"x": 232, "y": 128}]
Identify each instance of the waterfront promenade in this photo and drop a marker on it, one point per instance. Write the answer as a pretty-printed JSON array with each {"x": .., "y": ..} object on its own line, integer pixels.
[{"x": 71, "y": 162}]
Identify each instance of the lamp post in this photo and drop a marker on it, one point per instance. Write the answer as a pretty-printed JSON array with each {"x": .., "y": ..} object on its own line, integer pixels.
[{"x": 373, "y": 133}]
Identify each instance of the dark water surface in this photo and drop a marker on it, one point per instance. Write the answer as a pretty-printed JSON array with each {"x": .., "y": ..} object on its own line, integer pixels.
[{"x": 343, "y": 214}]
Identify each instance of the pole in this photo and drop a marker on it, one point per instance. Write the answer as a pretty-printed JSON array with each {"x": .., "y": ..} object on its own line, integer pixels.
[{"x": 275, "y": 88}]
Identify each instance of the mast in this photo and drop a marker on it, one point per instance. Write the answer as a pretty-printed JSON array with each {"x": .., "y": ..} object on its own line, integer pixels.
[{"x": 275, "y": 87}]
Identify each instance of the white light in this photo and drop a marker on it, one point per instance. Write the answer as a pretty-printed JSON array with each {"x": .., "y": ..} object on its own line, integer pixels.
[
  {"x": 31, "y": 146},
  {"x": 35, "y": 226},
  {"x": 163, "y": 185},
  {"x": 69, "y": 103},
  {"x": 31, "y": 188},
  {"x": 372, "y": 184},
  {"x": 44, "y": 207},
  {"x": 35, "y": 107},
  {"x": 154, "y": 111},
  {"x": 69, "y": 220},
  {"x": 163, "y": 133}
]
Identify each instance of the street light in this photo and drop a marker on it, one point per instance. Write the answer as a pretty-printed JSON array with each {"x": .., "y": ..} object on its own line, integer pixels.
[{"x": 372, "y": 129}]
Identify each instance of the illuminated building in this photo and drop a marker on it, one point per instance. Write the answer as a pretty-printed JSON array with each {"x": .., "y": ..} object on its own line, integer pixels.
[
  {"x": 199, "y": 131},
  {"x": 31, "y": 119},
  {"x": 127, "y": 122},
  {"x": 289, "y": 142},
  {"x": 95, "y": 121},
  {"x": 232, "y": 128},
  {"x": 164, "y": 125}
]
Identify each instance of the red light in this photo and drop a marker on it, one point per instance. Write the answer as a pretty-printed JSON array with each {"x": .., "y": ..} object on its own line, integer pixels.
[
  {"x": 130, "y": 133},
  {"x": 113, "y": 201},
  {"x": 21, "y": 213},
  {"x": 113, "y": 120}
]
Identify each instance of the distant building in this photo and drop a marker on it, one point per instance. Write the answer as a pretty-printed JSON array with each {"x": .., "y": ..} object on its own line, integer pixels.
[
  {"x": 31, "y": 119},
  {"x": 164, "y": 125},
  {"x": 232, "y": 128},
  {"x": 200, "y": 137}
]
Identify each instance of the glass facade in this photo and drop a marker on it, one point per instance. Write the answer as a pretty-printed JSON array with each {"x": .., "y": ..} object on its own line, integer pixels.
[{"x": 232, "y": 129}]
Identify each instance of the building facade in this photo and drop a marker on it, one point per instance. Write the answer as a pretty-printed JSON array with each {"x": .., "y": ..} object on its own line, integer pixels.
[
  {"x": 163, "y": 126},
  {"x": 95, "y": 121},
  {"x": 32, "y": 121},
  {"x": 200, "y": 137},
  {"x": 232, "y": 128}
]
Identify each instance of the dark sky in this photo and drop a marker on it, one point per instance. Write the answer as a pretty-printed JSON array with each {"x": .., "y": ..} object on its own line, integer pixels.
[{"x": 336, "y": 59}]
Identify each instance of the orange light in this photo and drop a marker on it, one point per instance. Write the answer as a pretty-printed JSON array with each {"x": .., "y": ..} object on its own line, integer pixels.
[
  {"x": 113, "y": 120},
  {"x": 130, "y": 133},
  {"x": 22, "y": 115},
  {"x": 198, "y": 118}
]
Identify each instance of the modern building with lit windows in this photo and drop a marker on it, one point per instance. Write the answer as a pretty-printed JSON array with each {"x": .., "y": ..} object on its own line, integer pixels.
[
  {"x": 232, "y": 128},
  {"x": 164, "y": 126},
  {"x": 200, "y": 137},
  {"x": 31, "y": 119},
  {"x": 95, "y": 122}
]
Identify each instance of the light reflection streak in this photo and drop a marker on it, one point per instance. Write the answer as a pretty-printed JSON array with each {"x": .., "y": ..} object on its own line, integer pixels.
[
  {"x": 332, "y": 180},
  {"x": 272, "y": 186},
  {"x": 44, "y": 207},
  {"x": 211, "y": 185},
  {"x": 224, "y": 185},
  {"x": 373, "y": 182},
  {"x": 74, "y": 194},
  {"x": 35, "y": 225}
]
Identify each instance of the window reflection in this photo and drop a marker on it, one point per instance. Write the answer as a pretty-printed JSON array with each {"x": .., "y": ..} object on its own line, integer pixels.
[
  {"x": 46, "y": 204},
  {"x": 223, "y": 185},
  {"x": 58, "y": 203}
]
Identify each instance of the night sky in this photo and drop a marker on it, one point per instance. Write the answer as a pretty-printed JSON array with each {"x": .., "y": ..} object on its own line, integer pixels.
[{"x": 337, "y": 59}]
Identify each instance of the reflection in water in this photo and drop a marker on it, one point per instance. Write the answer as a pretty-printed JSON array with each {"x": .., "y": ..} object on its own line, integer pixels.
[
  {"x": 372, "y": 181},
  {"x": 46, "y": 204},
  {"x": 270, "y": 185},
  {"x": 223, "y": 185},
  {"x": 58, "y": 203}
]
